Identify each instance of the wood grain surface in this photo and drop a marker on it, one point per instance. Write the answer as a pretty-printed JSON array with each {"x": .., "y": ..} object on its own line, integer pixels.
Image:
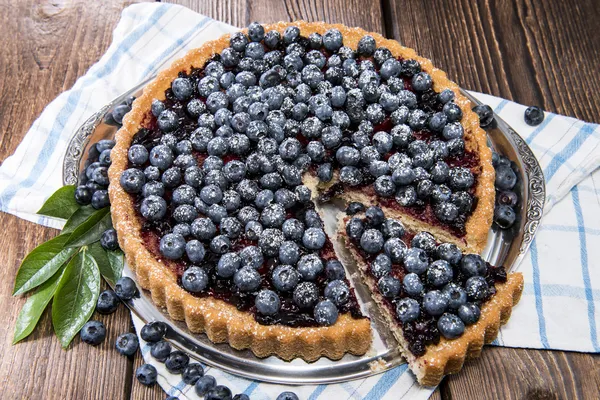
[{"x": 543, "y": 53}]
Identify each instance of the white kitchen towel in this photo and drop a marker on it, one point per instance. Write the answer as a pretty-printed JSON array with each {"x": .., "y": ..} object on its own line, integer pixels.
[{"x": 559, "y": 307}]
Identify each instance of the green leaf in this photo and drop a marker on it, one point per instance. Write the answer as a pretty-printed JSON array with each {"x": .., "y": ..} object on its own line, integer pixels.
[
  {"x": 42, "y": 263},
  {"x": 91, "y": 229},
  {"x": 110, "y": 263},
  {"x": 78, "y": 217},
  {"x": 75, "y": 297},
  {"x": 61, "y": 204},
  {"x": 34, "y": 307}
]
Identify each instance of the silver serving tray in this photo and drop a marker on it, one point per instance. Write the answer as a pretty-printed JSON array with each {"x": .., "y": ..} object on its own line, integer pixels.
[{"x": 504, "y": 247}]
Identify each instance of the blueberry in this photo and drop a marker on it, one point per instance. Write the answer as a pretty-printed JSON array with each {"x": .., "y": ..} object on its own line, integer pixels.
[
  {"x": 119, "y": 112},
  {"x": 160, "y": 350},
  {"x": 228, "y": 264},
  {"x": 312, "y": 75},
  {"x": 416, "y": 260},
  {"x": 403, "y": 176},
  {"x": 131, "y": 180},
  {"x": 241, "y": 396},
  {"x": 195, "y": 251},
  {"x": 184, "y": 194},
  {"x": 167, "y": 121},
  {"x": 371, "y": 241},
  {"x": 406, "y": 196},
  {"x": 440, "y": 172},
  {"x": 505, "y": 178},
  {"x": 83, "y": 195},
  {"x": 435, "y": 302},
  {"x": 407, "y": 310},
  {"x": 395, "y": 248},
  {"x": 450, "y": 326},
  {"x": 381, "y": 266},
  {"x": 446, "y": 211},
  {"x": 291, "y": 34},
  {"x": 325, "y": 172},
  {"x": 247, "y": 214},
  {"x": 326, "y": 313},
  {"x": 219, "y": 392},
  {"x": 366, "y": 46},
  {"x": 287, "y": 396},
  {"x": 192, "y": 373},
  {"x": 273, "y": 215},
  {"x": 351, "y": 176},
  {"x": 302, "y": 193},
  {"x": 422, "y": 82},
  {"x": 253, "y": 229},
  {"x": 312, "y": 219},
  {"x": 125, "y": 288},
  {"x": 182, "y": 88},
  {"x": 412, "y": 284},
  {"x": 338, "y": 292},
  {"x": 289, "y": 253},
  {"x": 108, "y": 240},
  {"x": 486, "y": 115},
  {"x": 269, "y": 241},
  {"x": 456, "y": 295},
  {"x": 469, "y": 313},
  {"x": 440, "y": 193},
  {"x": 172, "y": 246},
  {"x": 417, "y": 119},
  {"x": 157, "y": 107},
  {"x": 425, "y": 241},
  {"x": 247, "y": 189},
  {"x": 332, "y": 39},
  {"x": 154, "y": 331},
  {"x": 306, "y": 295},
  {"x": 161, "y": 156},
  {"x": 127, "y": 344},
  {"x": 293, "y": 229},
  {"x": 389, "y": 286},
  {"x": 313, "y": 238},
  {"x": 247, "y": 279},
  {"x": 146, "y": 374},
  {"x": 107, "y": 302},
  {"x": 449, "y": 252},
  {"x": 534, "y": 116},
  {"x": 267, "y": 302},
  {"x": 355, "y": 228},
  {"x": 256, "y": 32},
  {"x": 171, "y": 177},
  {"x": 452, "y": 111},
  {"x": 205, "y": 384},
  {"x": 439, "y": 148},
  {"x": 93, "y": 332},
  {"x": 461, "y": 178},
  {"x": 504, "y": 216},
  {"x": 472, "y": 265},
  {"x": 309, "y": 266},
  {"x": 183, "y": 229},
  {"x": 476, "y": 288},
  {"x": 194, "y": 279}
]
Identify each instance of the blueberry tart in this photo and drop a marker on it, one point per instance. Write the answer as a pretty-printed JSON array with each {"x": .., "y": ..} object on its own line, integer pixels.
[{"x": 220, "y": 164}]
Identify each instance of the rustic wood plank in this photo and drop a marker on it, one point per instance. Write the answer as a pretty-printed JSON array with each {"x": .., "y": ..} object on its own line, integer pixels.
[
  {"x": 364, "y": 13},
  {"x": 48, "y": 45},
  {"x": 540, "y": 53}
]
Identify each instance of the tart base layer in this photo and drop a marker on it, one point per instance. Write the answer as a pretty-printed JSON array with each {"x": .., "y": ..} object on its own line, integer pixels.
[
  {"x": 448, "y": 356},
  {"x": 221, "y": 321}
]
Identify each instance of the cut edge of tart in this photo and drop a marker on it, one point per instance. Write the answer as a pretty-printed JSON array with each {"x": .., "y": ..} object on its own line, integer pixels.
[
  {"x": 221, "y": 321},
  {"x": 449, "y": 355}
]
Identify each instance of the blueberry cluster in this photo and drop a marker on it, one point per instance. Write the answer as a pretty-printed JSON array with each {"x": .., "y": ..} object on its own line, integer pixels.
[
  {"x": 506, "y": 198},
  {"x": 432, "y": 288},
  {"x": 93, "y": 182}
]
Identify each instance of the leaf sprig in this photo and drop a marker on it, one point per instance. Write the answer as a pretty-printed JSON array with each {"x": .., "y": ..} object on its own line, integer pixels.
[{"x": 66, "y": 270}]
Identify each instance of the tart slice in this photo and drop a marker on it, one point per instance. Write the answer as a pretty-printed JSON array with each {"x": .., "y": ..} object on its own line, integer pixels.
[
  {"x": 441, "y": 305},
  {"x": 212, "y": 171}
]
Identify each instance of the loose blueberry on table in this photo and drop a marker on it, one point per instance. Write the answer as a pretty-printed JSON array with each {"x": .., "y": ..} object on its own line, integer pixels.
[
  {"x": 506, "y": 197},
  {"x": 431, "y": 288},
  {"x": 216, "y": 171}
]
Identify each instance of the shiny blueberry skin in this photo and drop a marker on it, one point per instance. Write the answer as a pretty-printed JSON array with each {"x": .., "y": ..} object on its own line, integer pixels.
[
  {"x": 435, "y": 302},
  {"x": 469, "y": 313},
  {"x": 505, "y": 177},
  {"x": 534, "y": 116},
  {"x": 456, "y": 295},
  {"x": 127, "y": 344},
  {"x": 395, "y": 248},
  {"x": 412, "y": 284},
  {"x": 108, "y": 240},
  {"x": 338, "y": 292},
  {"x": 153, "y": 331},
  {"x": 504, "y": 216},
  {"x": 219, "y": 392},
  {"x": 176, "y": 362},
  {"x": 439, "y": 273},
  {"x": 381, "y": 266},
  {"x": 313, "y": 238},
  {"x": 449, "y": 252},
  {"x": 287, "y": 396},
  {"x": 325, "y": 313},
  {"x": 172, "y": 246},
  {"x": 389, "y": 286},
  {"x": 93, "y": 332},
  {"x": 194, "y": 279},
  {"x": 160, "y": 350},
  {"x": 472, "y": 265},
  {"x": 476, "y": 288},
  {"x": 125, "y": 288},
  {"x": 192, "y": 373},
  {"x": 205, "y": 384},
  {"x": 334, "y": 270},
  {"x": 450, "y": 326},
  {"x": 486, "y": 115},
  {"x": 247, "y": 279},
  {"x": 416, "y": 260},
  {"x": 309, "y": 266},
  {"x": 146, "y": 374},
  {"x": 107, "y": 302},
  {"x": 83, "y": 195},
  {"x": 507, "y": 198},
  {"x": 267, "y": 302},
  {"x": 220, "y": 244},
  {"x": 371, "y": 241},
  {"x": 407, "y": 310}
]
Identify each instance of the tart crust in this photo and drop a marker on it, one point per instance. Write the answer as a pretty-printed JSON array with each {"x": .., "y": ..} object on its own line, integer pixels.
[
  {"x": 221, "y": 321},
  {"x": 448, "y": 356}
]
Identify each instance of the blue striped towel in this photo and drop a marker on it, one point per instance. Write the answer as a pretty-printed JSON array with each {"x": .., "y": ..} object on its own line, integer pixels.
[{"x": 559, "y": 308}]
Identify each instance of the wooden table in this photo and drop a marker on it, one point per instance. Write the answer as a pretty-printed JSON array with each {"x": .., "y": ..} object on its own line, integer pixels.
[{"x": 544, "y": 53}]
